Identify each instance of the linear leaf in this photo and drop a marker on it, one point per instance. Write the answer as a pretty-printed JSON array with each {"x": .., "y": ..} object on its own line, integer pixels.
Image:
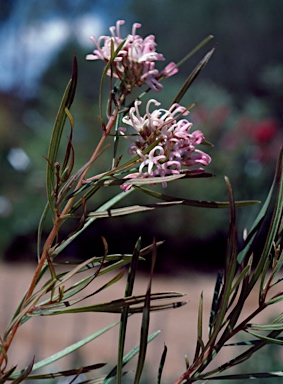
[
  {"x": 70, "y": 349},
  {"x": 258, "y": 233},
  {"x": 113, "y": 306},
  {"x": 193, "y": 51},
  {"x": 145, "y": 322},
  {"x": 195, "y": 203},
  {"x": 193, "y": 75},
  {"x": 199, "y": 344},
  {"x": 24, "y": 373},
  {"x": 215, "y": 300},
  {"x": 270, "y": 340},
  {"x": 276, "y": 299},
  {"x": 54, "y": 144},
  {"x": 266, "y": 327},
  {"x": 107, "y": 67},
  {"x": 125, "y": 312},
  {"x": 70, "y": 372},
  {"x": 266, "y": 237},
  {"x": 241, "y": 376},
  {"x": 131, "y": 209},
  {"x": 161, "y": 365},
  {"x": 128, "y": 357}
]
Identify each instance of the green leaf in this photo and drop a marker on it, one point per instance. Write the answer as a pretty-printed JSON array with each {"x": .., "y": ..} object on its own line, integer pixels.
[
  {"x": 40, "y": 228},
  {"x": 269, "y": 340},
  {"x": 193, "y": 51},
  {"x": 114, "y": 306},
  {"x": 23, "y": 375},
  {"x": 66, "y": 351},
  {"x": 262, "y": 232},
  {"x": 125, "y": 312},
  {"x": 161, "y": 365},
  {"x": 277, "y": 268},
  {"x": 268, "y": 234},
  {"x": 200, "y": 344},
  {"x": 107, "y": 67},
  {"x": 193, "y": 75},
  {"x": 215, "y": 300},
  {"x": 242, "y": 376},
  {"x": 266, "y": 327},
  {"x": 195, "y": 203},
  {"x": 275, "y": 299},
  {"x": 70, "y": 372},
  {"x": 243, "y": 275},
  {"x": 145, "y": 322},
  {"x": 128, "y": 357},
  {"x": 229, "y": 273},
  {"x": 54, "y": 144},
  {"x": 143, "y": 336},
  {"x": 5, "y": 376},
  {"x": 68, "y": 303},
  {"x": 132, "y": 209}
]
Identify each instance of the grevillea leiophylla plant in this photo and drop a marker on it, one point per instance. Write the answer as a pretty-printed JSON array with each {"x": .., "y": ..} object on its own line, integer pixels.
[{"x": 163, "y": 146}]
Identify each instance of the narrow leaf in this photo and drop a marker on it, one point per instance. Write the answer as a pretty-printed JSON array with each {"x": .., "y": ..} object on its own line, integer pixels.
[
  {"x": 265, "y": 327},
  {"x": 193, "y": 75},
  {"x": 24, "y": 373},
  {"x": 113, "y": 306},
  {"x": 145, "y": 322},
  {"x": 195, "y": 203},
  {"x": 128, "y": 357},
  {"x": 242, "y": 376},
  {"x": 107, "y": 67},
  {"x": 266, "y": 236},
  {"x": 161, "y": 365},
  {"x": 200, "y": 343},
  {"x": 269, "y": 340},
  {"x": 125, "y": 312},
  {"x": 215, "y": 300},
  {"x": 54, "y": 145},
  {"x": 70, "y": 372},
  {"x": 258, "y": 231},
  {"x": 66, "y": 351}
]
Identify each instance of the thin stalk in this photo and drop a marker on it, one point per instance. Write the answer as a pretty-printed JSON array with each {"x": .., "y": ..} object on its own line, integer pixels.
[{"x": 54, "y": 232}]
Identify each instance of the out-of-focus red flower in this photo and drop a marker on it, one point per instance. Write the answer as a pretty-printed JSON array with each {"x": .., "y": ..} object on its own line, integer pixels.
[{"x": 265, "y": 130}]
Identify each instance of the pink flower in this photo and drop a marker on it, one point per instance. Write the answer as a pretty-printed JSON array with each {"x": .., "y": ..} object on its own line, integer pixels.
[
  {"x": 169, "y": 70},
  {"x": 134, "y": 64},
  {"x": 175, "y": 143}
]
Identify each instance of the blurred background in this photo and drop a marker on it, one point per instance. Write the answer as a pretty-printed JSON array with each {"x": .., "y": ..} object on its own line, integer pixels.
[{"x": 238, "y": 100}]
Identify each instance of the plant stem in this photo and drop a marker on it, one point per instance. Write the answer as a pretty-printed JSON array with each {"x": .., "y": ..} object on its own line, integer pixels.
[{"x": 55, "y": 229}]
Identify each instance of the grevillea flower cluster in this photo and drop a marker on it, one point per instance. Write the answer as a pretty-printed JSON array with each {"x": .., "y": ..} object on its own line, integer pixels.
[
  {"x": 134, "y": 63},
  {"x": 175, "y": 143}
]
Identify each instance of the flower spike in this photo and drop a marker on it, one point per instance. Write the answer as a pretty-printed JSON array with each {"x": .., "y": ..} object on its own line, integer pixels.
[
  {"x": 175, "y": 143},
  {"x": 134, "y": 64}
]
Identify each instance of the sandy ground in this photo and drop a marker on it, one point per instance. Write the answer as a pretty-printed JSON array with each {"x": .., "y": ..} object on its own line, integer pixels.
[{"x": 44, "y": 336}]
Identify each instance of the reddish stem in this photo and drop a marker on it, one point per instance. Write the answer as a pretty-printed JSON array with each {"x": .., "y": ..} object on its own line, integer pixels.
[{"x": 54, "y": 232}]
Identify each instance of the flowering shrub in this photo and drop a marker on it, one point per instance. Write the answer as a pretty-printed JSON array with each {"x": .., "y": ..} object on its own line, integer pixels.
[{"x": 163, "y": 149}]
